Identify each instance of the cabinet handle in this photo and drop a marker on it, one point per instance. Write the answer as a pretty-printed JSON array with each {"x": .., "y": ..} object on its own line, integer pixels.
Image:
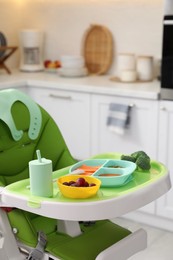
[
  {"x": 61, "y": 97},
  {"x": 163, "y": 108},
  {"x": 131, "y": 105}
]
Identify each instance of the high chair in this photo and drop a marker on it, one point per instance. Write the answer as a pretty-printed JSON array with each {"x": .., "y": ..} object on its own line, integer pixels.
[{"x": 32, "y": 228}]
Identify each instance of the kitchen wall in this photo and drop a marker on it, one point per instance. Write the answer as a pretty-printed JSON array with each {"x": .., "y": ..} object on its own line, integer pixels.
[{"x": 136, "y": 25}]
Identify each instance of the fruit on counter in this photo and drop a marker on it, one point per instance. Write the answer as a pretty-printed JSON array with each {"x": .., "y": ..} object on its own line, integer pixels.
[
  {"x": 80, "y": 182},
  {"x": 57, "y": 63},
  {"x": 52, "y": 64},
  {"x": 141, "y": 159},
  {"x": 46, "y": 62}
]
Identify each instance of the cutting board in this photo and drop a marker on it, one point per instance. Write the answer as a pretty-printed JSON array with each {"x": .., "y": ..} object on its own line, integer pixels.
[{"x": 98, "y": 49}]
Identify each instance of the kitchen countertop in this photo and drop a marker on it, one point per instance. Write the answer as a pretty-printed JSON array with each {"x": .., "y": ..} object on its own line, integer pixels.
[{"x": 89, "y": 84}]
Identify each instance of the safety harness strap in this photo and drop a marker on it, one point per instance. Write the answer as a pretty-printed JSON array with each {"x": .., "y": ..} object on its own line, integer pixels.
[{"x": 38, "y": 252}]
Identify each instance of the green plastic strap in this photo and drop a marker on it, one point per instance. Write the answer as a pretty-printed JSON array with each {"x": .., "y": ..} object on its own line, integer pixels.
[{"x": 7, "y": 99}]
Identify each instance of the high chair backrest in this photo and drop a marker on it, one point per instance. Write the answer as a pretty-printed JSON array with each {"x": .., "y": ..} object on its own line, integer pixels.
[{"x": 24, "y": 128}]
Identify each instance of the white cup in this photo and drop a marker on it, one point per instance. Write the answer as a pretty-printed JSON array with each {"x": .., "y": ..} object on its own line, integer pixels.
[
  {"x": 145, "y": 68},
  {"x": 126, "y": 62},
  {"x": 40, "y": 174}
]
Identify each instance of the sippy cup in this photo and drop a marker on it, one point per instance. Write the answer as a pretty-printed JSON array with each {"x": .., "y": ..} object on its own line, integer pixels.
[{"x": 40, "y": 173}]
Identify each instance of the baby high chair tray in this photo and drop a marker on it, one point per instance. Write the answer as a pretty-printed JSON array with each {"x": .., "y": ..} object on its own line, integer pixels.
[
  {"x": 109, "y": 202},
  {"x": 111, "y": 172}
]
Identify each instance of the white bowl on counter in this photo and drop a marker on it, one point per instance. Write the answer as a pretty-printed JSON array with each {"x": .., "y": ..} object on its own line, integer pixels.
[
  {"x": 70, "y": 61},
  {"x": 73, "y": 72},
  {"x": 128, "y": 76}
]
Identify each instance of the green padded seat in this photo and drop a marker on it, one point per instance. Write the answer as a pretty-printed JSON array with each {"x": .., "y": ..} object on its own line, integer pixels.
[{"x": 94, "y": 239}]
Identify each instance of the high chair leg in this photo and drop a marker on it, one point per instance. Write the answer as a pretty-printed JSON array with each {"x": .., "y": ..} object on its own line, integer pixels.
[{"x": 8, "y": 246}]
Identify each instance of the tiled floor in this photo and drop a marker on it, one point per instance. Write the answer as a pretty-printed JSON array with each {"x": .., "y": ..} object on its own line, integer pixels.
[{"x": 160, "y": 242}]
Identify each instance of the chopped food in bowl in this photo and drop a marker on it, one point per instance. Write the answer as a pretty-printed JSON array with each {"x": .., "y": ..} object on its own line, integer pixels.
[{"x": 78, "y": 187}]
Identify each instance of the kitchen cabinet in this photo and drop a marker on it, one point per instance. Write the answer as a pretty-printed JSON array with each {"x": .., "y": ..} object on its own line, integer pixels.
[
  {"x": 165, "y": 153},
  {"x": 141, "y": 135},
  {"x": 71, "y": 111}
]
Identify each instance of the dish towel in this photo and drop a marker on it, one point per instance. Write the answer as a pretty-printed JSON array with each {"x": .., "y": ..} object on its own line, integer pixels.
[{"x": 118, "y": 118}]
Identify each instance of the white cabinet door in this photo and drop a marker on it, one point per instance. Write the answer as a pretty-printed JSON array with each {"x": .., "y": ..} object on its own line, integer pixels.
[
  {"x": 142, "y": 134},
  {"x": 71, "y": 112},
  {"x": 165, "y": 155}
]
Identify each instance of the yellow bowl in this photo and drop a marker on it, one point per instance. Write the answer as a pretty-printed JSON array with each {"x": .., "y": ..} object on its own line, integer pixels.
[{"x": 78, "y": 192}]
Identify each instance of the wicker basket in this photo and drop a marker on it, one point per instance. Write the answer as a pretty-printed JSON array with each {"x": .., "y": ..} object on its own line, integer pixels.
[{"x": 98, "y": 49}]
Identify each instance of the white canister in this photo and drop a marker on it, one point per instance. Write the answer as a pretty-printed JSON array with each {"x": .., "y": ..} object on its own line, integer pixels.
[
  {"x": 145, "y": 68},
  {"x": 128, "y": 76},
  {"x": 40, "y": 173},
  {"x": 126, "y": 61}
]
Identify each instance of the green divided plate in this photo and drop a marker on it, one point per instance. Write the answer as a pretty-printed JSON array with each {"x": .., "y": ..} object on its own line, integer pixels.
[{"x": 111, "y": 172}]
